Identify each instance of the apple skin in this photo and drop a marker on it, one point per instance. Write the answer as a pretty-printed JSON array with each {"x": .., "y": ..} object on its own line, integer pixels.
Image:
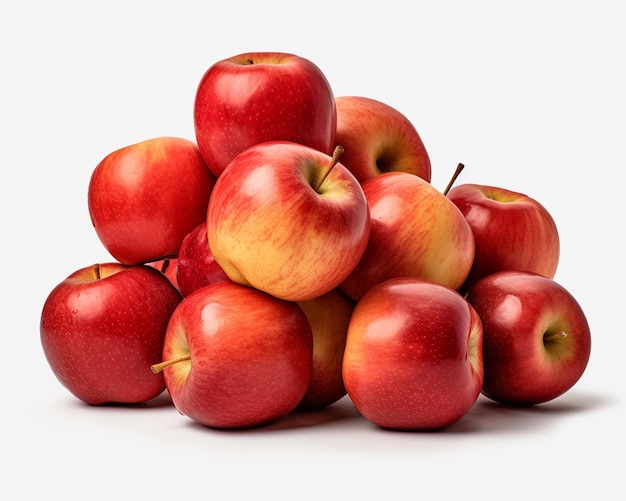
[
  {"x": 512, "y": 231},
  {"x": 262, "y": 96},
  {"x": 536, "y": 339},
  {"x": 103, "y": 327},
  {"x": 329, "y": 317},
  {"x": 413, "y": 357},
  {"x": 196, "y": 264},
  {"x": 378, "y": 138},
  {"x": 269, "y": 228},
  {"x": 251, "y": 356},
  {"x": 145, "y": 197},
  {"x": 415, "y": 231}
]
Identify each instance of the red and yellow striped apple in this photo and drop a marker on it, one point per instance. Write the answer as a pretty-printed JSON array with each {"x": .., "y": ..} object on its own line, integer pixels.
[
  {"x": 415, "y": 232},
  {"x": 378, "y": 138},
  {"x": 288, "y": 220}
]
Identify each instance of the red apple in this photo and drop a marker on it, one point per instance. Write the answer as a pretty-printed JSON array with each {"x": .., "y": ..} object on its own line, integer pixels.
[
  {"x": 537, "y": 340},
  {"x": 262, "y": 96},
  {"x": 196, "y": 265},
  {"x": 144, "y": 198},
  {"x": 329, "y": 316},
  {"x": 271, "y": 226},
  {"x": 103, "y": 327},
  {"x": 235, "y": 357},
  {"x": 413, "y": 356},
  {"x": 512, "y": 231},
  {"x": 378, "y": 138},
  {"x": 415, "y": 232}
]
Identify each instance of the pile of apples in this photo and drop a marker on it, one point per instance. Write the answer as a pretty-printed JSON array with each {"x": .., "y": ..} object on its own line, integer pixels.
[{"x": 296, "y": 252}]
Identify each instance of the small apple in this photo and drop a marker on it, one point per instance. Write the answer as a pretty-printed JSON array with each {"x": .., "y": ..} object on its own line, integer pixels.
[
  {"x": 537, "y": 340},
  {"x": 144, "y": 198},
  {"x": 103, "y": 327},
  {"x": 235, "y": 357},
  {"x": 512, "y": 231},
  {"x": 378, "y": 138},
  {"x": 415, "y": 232},
  {"x": 329, "y": 316},
  {"x": 262, "y": 96},
  {"x": 196, "y": 264},
  {"x": 288, "y": 220},
  {"x": 413, "y": 357}
]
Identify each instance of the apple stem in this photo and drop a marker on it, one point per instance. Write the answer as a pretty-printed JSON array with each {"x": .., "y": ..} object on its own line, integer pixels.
[
  {"x": 334, "y": 161},
  {"x": 458, "y": 170},
  {"x": 156, "y": 368}
]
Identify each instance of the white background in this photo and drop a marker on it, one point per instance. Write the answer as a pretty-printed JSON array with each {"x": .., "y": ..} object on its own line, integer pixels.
[{"x": 529, "y": 95}]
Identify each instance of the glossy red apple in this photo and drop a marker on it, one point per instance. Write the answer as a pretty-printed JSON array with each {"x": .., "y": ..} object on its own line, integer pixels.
[
  {"x": 413, "y": 357},
  {"x": 537, "y": 340},
  {"x": 329, "y": 316},
  {"x": 103, "y": 327},
  {"x": 196, "y": 264},
  {"x": 262, "y": 96},
  {"x": 271, "y": 226},
  {"x": 512, "y": 231},
  {"x": 378, "y": 138},
  {"x": 144, "y": 198},
  {"x": 235, "y": 357},
  {"x": 415, "y": 232}
]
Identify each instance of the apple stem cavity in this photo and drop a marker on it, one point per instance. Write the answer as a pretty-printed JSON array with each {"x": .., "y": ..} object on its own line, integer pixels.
[
  {"x": 334, "y": 161},
  {"x": 458, "y": 170},
  {"x": 156, "y": 368}
]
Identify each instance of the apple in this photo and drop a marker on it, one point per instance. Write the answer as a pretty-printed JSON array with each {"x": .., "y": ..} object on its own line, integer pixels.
[
  {"x": 415, "y": 231},
  {"x": 145, "y": 197},
  {"x": 169, "y": 268},
  {"x": 287, "y": 219},
  {"x": 103, "y": 327},
  {"x": 262, "y": 96},
  {"x": 329, "y": 316},
  {"x": 537, "y": 339},
  {"x": 512, "y": 231},
  {"x": 378, "y": 138},
  {"x": 196, "y": 264},
  {"x": 413, "y": 357},
  {"x": 236, "y": 357}
]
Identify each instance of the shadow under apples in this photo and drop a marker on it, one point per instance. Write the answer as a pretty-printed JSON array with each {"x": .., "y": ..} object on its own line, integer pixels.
[{"x": 488, "y": 416}]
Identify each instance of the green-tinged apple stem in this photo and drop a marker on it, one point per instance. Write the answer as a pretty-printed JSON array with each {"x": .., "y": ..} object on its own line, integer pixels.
[
  {"x": 458, "y": 170},
  {"x": 156, "y": 368},
  {"x": 335, "y": 160}
]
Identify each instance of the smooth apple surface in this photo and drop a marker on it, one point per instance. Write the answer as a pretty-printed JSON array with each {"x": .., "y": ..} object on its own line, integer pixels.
[
  {"x": 415, "y": 232},
  {"x": 512, "y": 231},
  {"x": 103, "y": 327},
  {"x": 378, "y": 138},
  {"x": 537, "y": 340},
  {"x": 196, "y": 264},
  {"x": 413, "y": 357},
  {"x": 262, "y": 96},
  {"x": 249, "y": 356},
  {"x": 144, "y": 198},
  {"x": 329, "y": 317},
  {"x": 271, "y": 227}
]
